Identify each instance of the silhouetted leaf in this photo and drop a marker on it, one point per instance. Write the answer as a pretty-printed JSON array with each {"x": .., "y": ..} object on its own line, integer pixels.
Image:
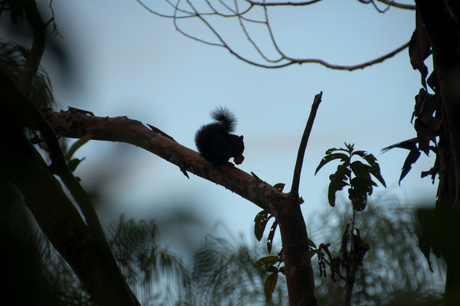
[
  {"x": 260, "y": 221},
  {"x": 426, "y": 124},
  {"x": 375, "y": 171},
  {"x": 374, "y": 168},
  {"x": 414, "y": 154},
  {"x": 270, "y": 236},
  {"x": 359, "y": 169},
  {"x": 330, "y": 157},
  {"x": 359, "y": 153},
  {"x": 267, "y": 260},
  {"x": 358, "y": 194},
  {"x": 406, "y": 144},
  {"x": 270, "y": 285},
  {"x": 338, "y": 181},
  {"x": 78, "y": 144},
  {"x": 433, "y": 81},
  {"x": 282, "y": 269},
  {"x": 73, "y": 164},
  {"x": 419, "y": 48},
  {"x": 433, "y": 171}
]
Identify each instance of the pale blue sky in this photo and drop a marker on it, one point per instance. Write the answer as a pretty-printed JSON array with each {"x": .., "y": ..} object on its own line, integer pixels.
[{"x": 133, "y": 63}]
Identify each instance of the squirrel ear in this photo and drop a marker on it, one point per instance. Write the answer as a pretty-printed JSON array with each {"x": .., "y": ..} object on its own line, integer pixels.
[{"x": 241, "y": 137}]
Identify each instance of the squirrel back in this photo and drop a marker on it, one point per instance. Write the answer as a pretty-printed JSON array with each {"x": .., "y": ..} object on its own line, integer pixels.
[{"x": 214, "y": 141}]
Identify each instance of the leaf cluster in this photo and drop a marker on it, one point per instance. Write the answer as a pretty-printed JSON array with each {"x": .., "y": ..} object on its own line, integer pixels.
[
  {"x": 32, "y": 270},
  {"x": 268, "y": 263},
  {"x": 272, "y": 265},
  {"x": 428, "y": 110},
  {"x": 355, "y": 174}
]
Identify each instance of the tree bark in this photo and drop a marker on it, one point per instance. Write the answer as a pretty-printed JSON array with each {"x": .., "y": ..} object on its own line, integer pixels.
[
  {"x": 442, "y": 27},
  {"x": 87, "y": 253},
  {"x": 298, "y": 269}
]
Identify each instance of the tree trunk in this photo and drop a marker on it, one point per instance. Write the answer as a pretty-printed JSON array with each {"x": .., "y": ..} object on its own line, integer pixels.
[
  {"x": 442, "y": 27},
  {"x": 297, "y": 260}
]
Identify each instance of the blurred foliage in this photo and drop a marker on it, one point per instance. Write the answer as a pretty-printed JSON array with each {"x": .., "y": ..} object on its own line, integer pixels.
[
  {"x": 441, "y": 233},
  {"x": 32, "y": 272},
  {"x": 394, "y": 270},
  {"x": 224, "y": 274},
  {"x": 12, "y": 60},
  {"x": 59, "y": 53},
  {"x": 144, "y": 263}
]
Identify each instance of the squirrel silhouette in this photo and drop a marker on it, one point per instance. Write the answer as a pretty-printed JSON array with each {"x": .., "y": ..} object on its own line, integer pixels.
[{"x": 214, "y": 141}]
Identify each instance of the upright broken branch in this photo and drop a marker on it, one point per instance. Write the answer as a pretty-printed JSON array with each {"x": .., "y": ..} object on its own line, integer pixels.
[{"x": 303, "y": 145}]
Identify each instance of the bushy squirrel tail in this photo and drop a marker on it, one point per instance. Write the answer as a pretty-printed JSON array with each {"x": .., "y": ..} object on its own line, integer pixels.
[{"x": 226, "y": 118}]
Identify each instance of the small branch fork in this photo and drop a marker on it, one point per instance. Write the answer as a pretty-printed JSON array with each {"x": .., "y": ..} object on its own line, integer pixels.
[{"x": 221, "y": 8}]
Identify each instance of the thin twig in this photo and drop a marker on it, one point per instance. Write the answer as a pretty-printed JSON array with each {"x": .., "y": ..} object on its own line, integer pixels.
[
  {"x": 234, "y": 12},
  {"x": 304, "y": 3},
  {"x": 389, "y": 3},
  {"x": 252, "y": 41},
  {"x": 398, "y": 5},
  {"x": 223, "y": 44},
  {"x": 282, "y": 3},
  {"x": 284, "y": 59},
  {"x": 271, "y": 34},
  {"x": 349, "y": 68},
  {"x": 376, "y": 6},
  {"x": 303, "y": 145}
]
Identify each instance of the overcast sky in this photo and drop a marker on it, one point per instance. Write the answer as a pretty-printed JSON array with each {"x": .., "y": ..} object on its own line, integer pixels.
[{"x": 129, "y": 62}]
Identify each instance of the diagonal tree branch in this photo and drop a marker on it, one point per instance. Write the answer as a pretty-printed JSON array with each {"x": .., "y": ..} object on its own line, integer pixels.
[
  {"x": 122, "y": 129},
  {"x": 286, "y": 209}
]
